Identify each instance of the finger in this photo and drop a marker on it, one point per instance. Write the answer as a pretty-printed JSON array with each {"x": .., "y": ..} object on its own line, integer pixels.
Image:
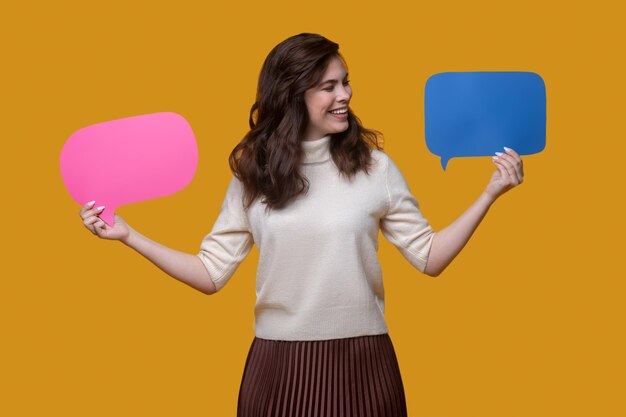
[
  {"x": 519, "y": 170},
  {"x": 518, "y": 164},
  {"x": 514, "y": 167},
  {"x": 92, "y": 212},
  {"x": 510, "y": 163},
  {"x": 100, "y": 227},
  {"x": 506, "y": 157},
  {"x": 510, "y": 175},
  {"x": 89, "y": 223},
  {"x": 97, "y": 231},
  {"x": 511, "y": 152},
  {"x": 83, "y": 209},
  {"x": 100, "y": 224},
  {"x": 503, "y": 173}
]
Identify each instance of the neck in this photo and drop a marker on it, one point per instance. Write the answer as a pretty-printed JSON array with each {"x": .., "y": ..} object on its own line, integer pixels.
[{"x": 316, "y": 150}]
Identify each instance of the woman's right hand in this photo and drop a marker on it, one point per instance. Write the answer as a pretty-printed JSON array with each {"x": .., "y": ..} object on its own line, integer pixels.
[{"x": 90, "y": 215}]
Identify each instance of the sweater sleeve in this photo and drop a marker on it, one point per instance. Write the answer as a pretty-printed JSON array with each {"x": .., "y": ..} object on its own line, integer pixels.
[
  {"x": 230, "y": 240},
  {"x": 403, "y": 224}
]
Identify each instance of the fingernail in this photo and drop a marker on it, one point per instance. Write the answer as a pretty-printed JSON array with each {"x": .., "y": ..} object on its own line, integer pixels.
[
  {"x": 100, "y": 208},
  {"x": 495, "y": 158},
  {"x": 499, "y": 153},
  {"x": 507, "y": 149},
  {"x": 91, "y": 203}
]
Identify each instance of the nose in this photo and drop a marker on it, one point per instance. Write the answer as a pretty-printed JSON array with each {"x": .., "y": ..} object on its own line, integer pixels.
[{"x": 344, "y": 93}]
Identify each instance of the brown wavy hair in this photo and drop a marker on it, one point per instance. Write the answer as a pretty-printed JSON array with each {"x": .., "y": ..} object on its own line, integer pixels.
[{"x": 268, "y": 158}]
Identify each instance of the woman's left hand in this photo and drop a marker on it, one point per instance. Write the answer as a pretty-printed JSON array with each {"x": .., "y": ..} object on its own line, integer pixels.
[{"x": 509, "y": 173}]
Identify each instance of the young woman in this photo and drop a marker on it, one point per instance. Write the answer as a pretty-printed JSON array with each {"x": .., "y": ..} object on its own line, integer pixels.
[{"x": 311, "y": 189}]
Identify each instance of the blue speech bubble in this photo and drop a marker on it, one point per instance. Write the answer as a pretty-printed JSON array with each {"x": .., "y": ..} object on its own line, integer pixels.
[{"x": 478, "y": 113}]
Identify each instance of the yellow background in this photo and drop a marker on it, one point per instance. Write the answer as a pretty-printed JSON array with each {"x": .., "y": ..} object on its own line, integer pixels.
[{"x": 528, "y": 321}]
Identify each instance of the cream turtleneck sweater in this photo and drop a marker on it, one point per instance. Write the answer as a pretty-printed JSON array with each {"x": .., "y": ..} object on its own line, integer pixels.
[{"x": 318, "y": 275}]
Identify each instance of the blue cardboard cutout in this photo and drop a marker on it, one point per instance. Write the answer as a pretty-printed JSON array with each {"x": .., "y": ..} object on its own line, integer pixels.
[{"x": 478, "y": 113}]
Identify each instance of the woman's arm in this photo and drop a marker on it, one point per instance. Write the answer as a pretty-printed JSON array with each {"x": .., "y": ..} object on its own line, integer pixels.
[
  {"x": 182, "y": 266},
  {"x": 448, "y": 242}
]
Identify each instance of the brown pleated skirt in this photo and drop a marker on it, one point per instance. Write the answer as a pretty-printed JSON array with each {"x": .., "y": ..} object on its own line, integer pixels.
[{"x": 350, "y": 377}]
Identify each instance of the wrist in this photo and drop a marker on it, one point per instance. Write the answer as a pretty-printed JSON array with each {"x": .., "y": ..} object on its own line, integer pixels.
[
  {"x": 130, "y": 238},
  {"x": 487, "y": 198}
]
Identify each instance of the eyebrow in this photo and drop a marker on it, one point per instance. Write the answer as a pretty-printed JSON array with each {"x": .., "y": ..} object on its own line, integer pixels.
[{"x": 333, "y": 81}]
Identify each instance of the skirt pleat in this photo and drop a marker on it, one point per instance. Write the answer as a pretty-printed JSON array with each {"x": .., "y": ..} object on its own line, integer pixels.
[{"x": 349, "y": 377}]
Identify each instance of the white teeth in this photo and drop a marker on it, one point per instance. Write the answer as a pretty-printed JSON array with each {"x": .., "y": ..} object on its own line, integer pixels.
[{"x": 339, "y": 111}]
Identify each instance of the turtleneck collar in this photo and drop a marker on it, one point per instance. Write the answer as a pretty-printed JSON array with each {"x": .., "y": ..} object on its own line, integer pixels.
[{"x": 316, "y": 151}]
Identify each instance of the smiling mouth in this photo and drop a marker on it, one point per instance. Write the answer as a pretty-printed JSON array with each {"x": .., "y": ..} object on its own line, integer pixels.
[{"x": 339, "y": 111}]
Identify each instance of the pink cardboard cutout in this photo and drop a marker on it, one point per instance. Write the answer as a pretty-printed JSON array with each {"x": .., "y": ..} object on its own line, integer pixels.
[{"x": 129, "y": 160}]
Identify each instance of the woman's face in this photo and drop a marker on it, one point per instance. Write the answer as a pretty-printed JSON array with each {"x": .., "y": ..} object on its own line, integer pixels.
[{"x": 327, "y": 102}]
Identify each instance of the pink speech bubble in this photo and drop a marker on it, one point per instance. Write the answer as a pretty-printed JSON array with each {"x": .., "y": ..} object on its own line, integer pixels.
[{"x": 129, "y": 160}]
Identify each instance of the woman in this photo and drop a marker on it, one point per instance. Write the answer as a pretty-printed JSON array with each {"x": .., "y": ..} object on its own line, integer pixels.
[{"x": 311, "y": 189}]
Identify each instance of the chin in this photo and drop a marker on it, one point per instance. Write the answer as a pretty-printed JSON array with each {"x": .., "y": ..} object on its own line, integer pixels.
[{"x": 339, "y": 129}]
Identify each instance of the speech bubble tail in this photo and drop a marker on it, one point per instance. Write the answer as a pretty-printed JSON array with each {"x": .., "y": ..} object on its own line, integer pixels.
[
  {"x": 108, "y": 215},
  {"x": 444, "y": 163}
]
